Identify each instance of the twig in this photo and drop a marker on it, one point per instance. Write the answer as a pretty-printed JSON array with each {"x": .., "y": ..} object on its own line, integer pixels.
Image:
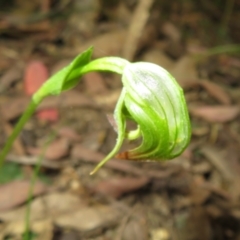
[
  {"x": 136, "y": 28},
  {"x": 27, "y": 160}
]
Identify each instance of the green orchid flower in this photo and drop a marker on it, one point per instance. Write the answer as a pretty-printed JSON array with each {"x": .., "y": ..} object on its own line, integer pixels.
[{"x": 150, "y": 97}]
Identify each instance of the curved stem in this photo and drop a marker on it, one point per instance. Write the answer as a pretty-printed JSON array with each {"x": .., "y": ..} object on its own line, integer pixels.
[
  {"x": 111, "y": 64},
  {"x": 52, "y": 87}
]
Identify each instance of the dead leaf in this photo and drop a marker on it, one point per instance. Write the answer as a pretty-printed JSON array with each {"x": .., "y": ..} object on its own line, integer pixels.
[
  {"x": 68, "y": 133},
  {"x": 56, "y": 150},
  {"x": 136, "y": 227},
  {"x": 215, "y": 91},
  {"x": 35, "y": 75},
  {"x": 160, "y": 234},
  {"x": 215, "y": 114},
  {"x": 116, "y": 187},
  {"x": 171, "y": 31},
  {"x": 49, "y": 115},
  {"x": 215, "y": 158},
  {"x": 91, "y": 219},
  {"x": 106, "y": 44},
  {"x": 185, "y": 71},
  {"x": 11, "y": 75},
  {"x": 12, "y": 108},
  {"x": 43, "y": 228},
  {"x": 16, "y": 193},
  {"x": 94, "y": 83},
  {"x": 48, "y": 206},
  {"x": 32, "y": 83},
  {"x": 198, "y": 194},
  {"x": 194, "y": 225},
  {"x": 156, "y": 56}
]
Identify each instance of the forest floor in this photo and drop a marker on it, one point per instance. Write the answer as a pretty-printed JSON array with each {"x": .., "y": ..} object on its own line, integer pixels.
[{"x": 193, "y": 197}]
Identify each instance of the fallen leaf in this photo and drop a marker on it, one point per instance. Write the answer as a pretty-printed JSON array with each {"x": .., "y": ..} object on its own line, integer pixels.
[
  {"x": 50, "y": 115},
  {"x": 160, "y": 234},
  {"x": 215, "y": 158},
  {"x": 94, "y": 83},
  {"x": 156, "y": 56},
  {"x": 171, "y": 31},
  {"x": 106, "y": 44},
  {"x": 68, "y": 133},
  {"x": 16, "y": 193},
  {"x": 56, "y": 150},
  {"x": 185, "y": 71},
  {"x": 10, "y": 76},
  {"x": 136, "y": 227},
  {"x": 43, "y": 229},
  {"x": 35, "y": 75},
  {"x": 215, "y": 114},
  {"x": 49, "y": 206},
  {"x": 90, "y": 219},
  {"x": 198, "y": 194},
  {"x": 215, "y": 91},
  {"x": 116, "y": 187},
  {"x": 194, "y": 225},
  {"x": 12, "y": 108}
]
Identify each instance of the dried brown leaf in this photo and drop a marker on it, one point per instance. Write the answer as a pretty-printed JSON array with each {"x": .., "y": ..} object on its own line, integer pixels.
[
  {"x": 12, "y": 108},
  {"x": 216, "y": 114},
  {"x": 106, "y": 44},
  {"x": 68, "y": 133},
  {"x": 185, "y": 71},
  {"x": 13, "y": 74},
  {"x": 55, "y": 150},
  {"x": 195, "y": 225},
  {"x": 90, "y": 219},
  {"x": 135, "y": 228},
  {"x": 156, "y": 56},
  {"x": 48, "y": 206},
  {"x": 217, "y": 160},
  {"x": 94, "y": 83},
  {"x": 216, "y": 91},
  {"x": 43, "y": 228},
  {"x": 116, "y": 187},
  {"x": 171, "y": 31},
  {"x": 16, "y": 193}
]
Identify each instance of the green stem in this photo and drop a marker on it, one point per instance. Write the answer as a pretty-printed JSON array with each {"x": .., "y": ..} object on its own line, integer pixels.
[
  {"x": 32, "y": 184},
  {"x": 111, "y": 64},
  {"x": 27, "y": 114}
]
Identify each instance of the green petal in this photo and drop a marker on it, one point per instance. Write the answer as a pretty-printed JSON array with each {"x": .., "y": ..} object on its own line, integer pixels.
[{"x": 156, "y": 103}]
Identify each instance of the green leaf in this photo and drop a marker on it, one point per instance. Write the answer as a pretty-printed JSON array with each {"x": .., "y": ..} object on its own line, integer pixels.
[{"x": 63, "y": 80}]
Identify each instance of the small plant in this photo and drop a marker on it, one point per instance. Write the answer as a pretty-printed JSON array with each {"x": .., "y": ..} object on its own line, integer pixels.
[{"x": 150, "y": 97}]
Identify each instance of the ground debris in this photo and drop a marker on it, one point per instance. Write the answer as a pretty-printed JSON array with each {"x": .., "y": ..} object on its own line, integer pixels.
[{"x": 194, "y": 196}]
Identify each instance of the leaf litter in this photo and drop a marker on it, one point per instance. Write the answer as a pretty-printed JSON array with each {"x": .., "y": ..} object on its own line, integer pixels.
[{"x": 192, "y": 197}]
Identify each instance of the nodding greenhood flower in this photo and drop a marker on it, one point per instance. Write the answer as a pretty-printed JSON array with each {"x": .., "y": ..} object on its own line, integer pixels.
[
  {"x": 150, "y": 97},
  {"x": 155, "y": 102}
]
